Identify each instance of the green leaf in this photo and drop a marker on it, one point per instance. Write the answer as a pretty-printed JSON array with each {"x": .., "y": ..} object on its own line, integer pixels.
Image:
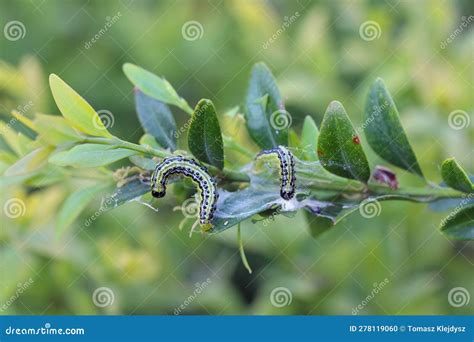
[
  {"x": 90, "y": 155},
  {"x": 445, "y": 204},
  {"x": 29, "y": 163},
  {"x": 142, "y": 162},
  {"x": 234, "y": 207},
  {"x": 317, "y": 224},
  {"x": 309, "y": 139},
  {"x": 204, "y": 135},
  {"x": 75, "y": 109},
  {"x": 154, "y": 86},
  {"x": 126, "y": 193},
  {"x": 74, "y": 205},
  {"x": 266, "y": 117},
  {"x": 460, "y": 224},
  {"x": 455, "y": 177},
  {"x": 54, "y": 130},
  {"x": 156, "y": 119},
  {"x": 384, "y": 130},
  {"x": 339, "y": 146}
]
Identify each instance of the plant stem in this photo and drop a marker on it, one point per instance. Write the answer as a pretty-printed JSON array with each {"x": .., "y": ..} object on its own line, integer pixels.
[
  {"x": 314, "y": 182},
  {"x": 227, "y": 174}
]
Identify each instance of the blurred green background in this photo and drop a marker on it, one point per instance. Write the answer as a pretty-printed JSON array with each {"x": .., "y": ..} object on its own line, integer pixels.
[{"x": 320, "y": 53}]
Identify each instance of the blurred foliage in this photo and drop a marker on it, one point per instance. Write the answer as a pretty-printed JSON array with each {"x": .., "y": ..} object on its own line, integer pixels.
[{"x": 151, "y": 266}]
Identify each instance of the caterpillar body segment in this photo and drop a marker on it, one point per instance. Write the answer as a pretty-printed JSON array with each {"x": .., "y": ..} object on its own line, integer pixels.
[
  {"x": 205, "y": 183},
  {"x": 286, "y": 170}
]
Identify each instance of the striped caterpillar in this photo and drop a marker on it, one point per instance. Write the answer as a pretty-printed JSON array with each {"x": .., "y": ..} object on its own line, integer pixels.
[
  {"x": 287, "y": 170},
  {"x": 206, "y": 185}
]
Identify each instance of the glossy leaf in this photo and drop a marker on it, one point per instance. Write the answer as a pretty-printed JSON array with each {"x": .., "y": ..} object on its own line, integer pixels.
[
  {"x": 455, "y": 177},
  {"x": 90, "y": 155},
  {"x": 384, "y": 130},
  {"x": 235, "y": 207},
  {"x": 156, "y": 119},
  {"x": 265, "y": 113},
  {"x": 154, "y": 86},
  {"x": 460, "y": 224},
  {"x": 74, "y": 205},
  {"x": 339, "y": 148},
  {"x": 75, "y": 109},
  {"x": 309, "y": 139},
  {"x": 204, "y": 135}
]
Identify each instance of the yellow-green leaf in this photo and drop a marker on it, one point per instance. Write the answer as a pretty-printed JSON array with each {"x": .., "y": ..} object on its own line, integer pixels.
[
  {"x": 74, "y": 205},
  {"x": 75, "y": 109},
  {"x": 54, "y": 130},
  {"x": 90, "y": 155}
]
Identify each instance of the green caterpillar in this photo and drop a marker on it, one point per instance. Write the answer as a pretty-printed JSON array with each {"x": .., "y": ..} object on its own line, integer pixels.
[
  {"x": 207, "y": 191},
  {"x": 287, "y": 170}
]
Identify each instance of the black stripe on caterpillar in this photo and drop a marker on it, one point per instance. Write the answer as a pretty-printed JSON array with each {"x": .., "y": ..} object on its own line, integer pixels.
[
  {"x": 286, "y": 170},
  {"x": 206, "y": 185}
]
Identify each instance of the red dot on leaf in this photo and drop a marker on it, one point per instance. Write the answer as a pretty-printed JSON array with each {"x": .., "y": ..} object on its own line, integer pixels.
[
  {"x": 356, "y": 140},
  {"x": 320, "y": 153}
]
